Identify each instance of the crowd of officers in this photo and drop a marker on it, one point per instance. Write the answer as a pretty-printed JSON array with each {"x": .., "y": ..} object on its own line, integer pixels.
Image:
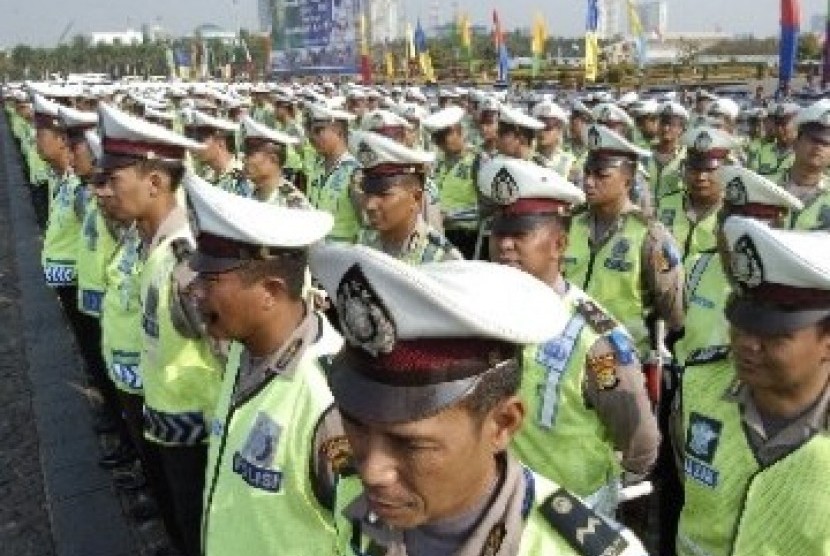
[{"x": 280, "y": 292}]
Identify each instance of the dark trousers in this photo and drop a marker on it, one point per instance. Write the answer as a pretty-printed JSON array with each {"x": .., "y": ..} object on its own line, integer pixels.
[
  {"x": 40, "y": 203},
  {"x": 184, "y": 469}
]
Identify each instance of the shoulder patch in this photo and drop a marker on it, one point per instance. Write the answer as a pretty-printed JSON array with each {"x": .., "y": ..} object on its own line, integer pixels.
[
  {"x": 338, "y": 452},
  {"x": 583, "y": 528},
  {"x": 599, "y": 320},
  {"x": 709, "y": 354},
  {"x": 604, "y": 369}
]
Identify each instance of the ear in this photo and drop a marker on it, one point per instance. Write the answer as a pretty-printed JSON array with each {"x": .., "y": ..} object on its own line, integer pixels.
[
  {"x": 156, "y": 181},
  {"x": 561, "y": 241},
  {"x": 504, "y": 421},
  {"x": 273, "y": 289}
]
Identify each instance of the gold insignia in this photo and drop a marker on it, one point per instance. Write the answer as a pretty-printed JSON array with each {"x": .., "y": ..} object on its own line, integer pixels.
[
  {"x": 494, "y": 540},
  {"x": 338, "y": 452},
  {"x": 659, "y": 261},
  {"x": 604, "y": 369}
]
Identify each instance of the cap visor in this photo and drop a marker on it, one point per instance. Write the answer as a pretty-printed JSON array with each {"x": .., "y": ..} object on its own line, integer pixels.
[
  {"x": 504, "y": 224},
  {"x": 757, "y": 318},
  {"x": 371, "y": 401},
  {"x": 206, "y": 264}
]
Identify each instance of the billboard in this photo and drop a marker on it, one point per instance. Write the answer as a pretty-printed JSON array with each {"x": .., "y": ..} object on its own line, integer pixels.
[{"x": 315, "y": 36}]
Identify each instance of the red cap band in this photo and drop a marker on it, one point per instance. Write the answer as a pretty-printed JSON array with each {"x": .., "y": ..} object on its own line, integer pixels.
[{"x": 142, "y": 149}]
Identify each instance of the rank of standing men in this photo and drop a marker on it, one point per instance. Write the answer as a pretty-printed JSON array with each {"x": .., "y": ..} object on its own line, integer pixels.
[{"x": 472, "y": 408}]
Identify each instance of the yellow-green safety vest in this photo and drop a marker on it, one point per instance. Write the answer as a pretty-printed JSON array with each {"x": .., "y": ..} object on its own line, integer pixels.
[
  {"x": 733, "y": 506},
  {"x": 63, "y": 235},
  {"x": 707, "y": 289},
  {"x": 561, "y": 438},
  {"x": 258, "y": 493},
  {"x": 96, "y": 250},
  {"x": 692, "y": 237},
  {"x": 612, "y": 273},
  {"x": 181, "y": 376},
  {"x": 816, "y": 213},
  {"x": 121, "y": 315},
  {"x": 331, "y": 192},
  {"x": 457, "y": 193},
  {"x": 666, "y": 179},
  {"x": 771, "y": 163}
]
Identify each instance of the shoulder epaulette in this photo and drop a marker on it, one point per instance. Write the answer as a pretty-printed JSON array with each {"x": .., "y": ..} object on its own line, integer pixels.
[
  {"x": 596, "y": 316},
  {"x": 709, "y": 354},
  {"x": 585, "y": 530}
]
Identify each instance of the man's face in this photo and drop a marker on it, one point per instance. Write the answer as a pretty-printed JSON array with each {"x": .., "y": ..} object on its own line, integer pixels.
[
  {"x": 128, "y": 193},
  {"x": 780, "y": 362},
  {"x": 702, "y": 188},
  {"x": 424, "y": 471},
  {"x": 813, "y": 153},
  {"x": 50, "y": 144},
  {"x": 82, "y": 160},
  {"x": 509, "y": 143},
  {"x": 577, "y": 125},
  {"x": 604, "y": 186},
  {"x": 488, "y": 126},
  {"x": 323, "y": 137},
  {"x": 229, "y": 303},
  {"x": 785, "y": 129},
  {"x": 671, "y": 128},
  {"x": 551, "y": 136},
  {"x": 537, "y": 250},
  {"x": 259, "y": 165},
  {"x": 392, "y": 208},
  {"x": 450, "y": 140},
  {"x": 649, "y": 125}
]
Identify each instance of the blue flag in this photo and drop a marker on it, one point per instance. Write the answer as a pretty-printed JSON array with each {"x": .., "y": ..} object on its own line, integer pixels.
[{"x": 420, "y": 39}]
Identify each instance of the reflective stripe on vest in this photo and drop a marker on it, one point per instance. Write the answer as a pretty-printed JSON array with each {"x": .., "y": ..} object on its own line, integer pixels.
[
  {"x": 187, "y": 428},
  {"x": 62, "y": 236}
]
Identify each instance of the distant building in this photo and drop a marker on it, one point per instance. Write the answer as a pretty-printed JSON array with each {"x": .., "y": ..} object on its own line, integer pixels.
[
  {"x": 211, "y": 32},
  {"x": 115, "y": 37},
  {"x": 653, "y": 17},
  {"x": 384, "y": 21},
  {"x": 265, "y": 15}
]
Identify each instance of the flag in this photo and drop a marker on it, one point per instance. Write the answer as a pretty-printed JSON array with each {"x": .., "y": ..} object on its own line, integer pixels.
[
  {"x": 171, "y": 62},
  {"x": 539, "y": 36},
  {"x": 635, "y": 26},
  {"x": 825, "y": 74},
  {"x": 465, "y": 38},
  {"x": 424, "y": 59},
  {"x": 790, "y": 24},
  {"x": 365, "y": 57},
  {"x": 410, "y": 42},
  {"x": 591, "y": 41},
  {"x": 420, "y": 39},
  {"x": 501, "y": 49},
  {"x": 390, "y": 65}
]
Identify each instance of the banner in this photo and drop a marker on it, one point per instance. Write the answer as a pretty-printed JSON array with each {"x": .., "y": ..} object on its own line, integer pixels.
[
  {"x": 591, "y": 41},
  {"x": 501, "y": 49},
  {"x": 538, "y": 38},
  {"x": 635, "y": 26},
  {"x": 316, "y": 36}
]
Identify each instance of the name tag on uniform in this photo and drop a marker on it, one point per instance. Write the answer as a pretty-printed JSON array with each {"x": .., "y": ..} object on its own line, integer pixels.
[
  {"x": 617, "y": 264},
  {"x": 59, "y": 274},
  {"x": 702, "y": 439}
]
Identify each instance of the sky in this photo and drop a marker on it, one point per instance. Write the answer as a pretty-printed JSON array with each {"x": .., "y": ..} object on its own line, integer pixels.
[{"x": 41, "y": 22}]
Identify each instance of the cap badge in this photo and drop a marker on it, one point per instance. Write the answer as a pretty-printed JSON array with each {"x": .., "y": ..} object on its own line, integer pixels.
[
  {"x": 745, "y": 263},
  {"x": 605, "y": 114},
  {"x": 594, "y": 138},
  {"x": 366, "y": 155},
  {"x": 703, "y": 142},
  {"x": 363, "y": 318},
  {"x": 736, "y": 191},
  {"x": 825, "y": 119},
  {"x": 504, "y": 187}
]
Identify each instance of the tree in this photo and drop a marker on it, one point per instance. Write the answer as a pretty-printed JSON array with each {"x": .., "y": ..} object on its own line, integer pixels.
[{"x": 809, "y": 47}]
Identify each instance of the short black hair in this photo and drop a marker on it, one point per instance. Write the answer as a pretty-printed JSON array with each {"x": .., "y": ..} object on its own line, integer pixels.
[
  {"x": 173, "y": 169},
  {"x": 289, "y": 265},
  {"x": 495, "y": 386}
]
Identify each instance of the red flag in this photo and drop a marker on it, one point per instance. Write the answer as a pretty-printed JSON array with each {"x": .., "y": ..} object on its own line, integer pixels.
[{"x": 498, "y": 36}]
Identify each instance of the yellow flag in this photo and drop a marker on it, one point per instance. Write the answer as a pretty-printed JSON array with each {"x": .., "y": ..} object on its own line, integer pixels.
[
  {"x": 591, "y": 56},
  {"x": 539, "y": 35},
  {"x": 464, "y": 26},
  {"x": 426, "y": 66},
  {"x": 364, "y": 36},
  {"x": 634, "y": 23},
  {"x": 390, "y": 65}
]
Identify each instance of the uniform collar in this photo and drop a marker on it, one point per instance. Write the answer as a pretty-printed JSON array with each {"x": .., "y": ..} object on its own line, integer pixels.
[{"x": 173, "y": 224}]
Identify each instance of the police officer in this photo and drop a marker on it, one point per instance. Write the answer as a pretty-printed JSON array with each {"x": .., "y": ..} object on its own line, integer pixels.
[
  {"x": 619, "y": 256},
  {"x": 517, "y": 131},
  {"x": 776, "y": 158},
  {"x": 549, "y": 141},
  {"x": 333, "y": 182},
  {"x": 392, "y": 188},
  {"x": 745, "y": 194},
  {"x": 754, "y": 437},
  {"x": 454, "y": 176},
  {"x": 616, "y": 119},
  {"x": 691, "y": 214},
  {"x": 251, "y": 260},
  {"x": 668, "y": 152},
  {"x": 262, "y": 109},
  {"x": 646, "y": 114},
  {"x": 180, "y": 373},
  {"x": 218, "y": 157},
  {"x": 807, "y": 179},
  {"x": 427, "y": 386},
  {"x": 584, "y": 388},
  {"x": 266, "y": 152},
  {"x": 487, "y": 125},
  {"x": 580, "y": 117}
]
